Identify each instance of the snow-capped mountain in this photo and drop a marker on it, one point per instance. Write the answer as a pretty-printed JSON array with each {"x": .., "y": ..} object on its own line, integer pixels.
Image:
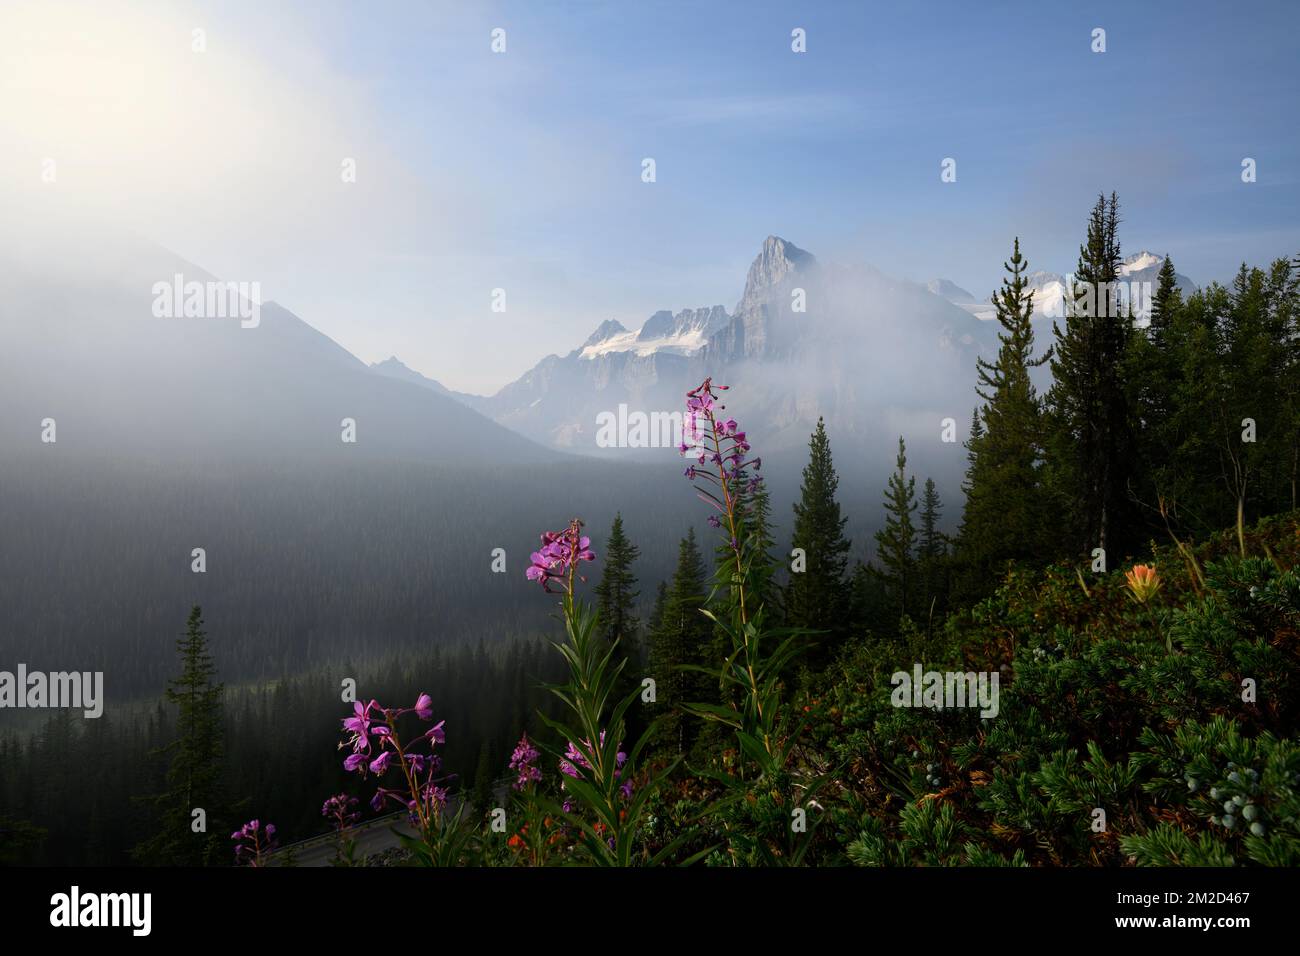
[
  {"x": 682, "y": 334},
  {"x": 950, "y": 291},
  {"x": 1139, "y": 276},
  {"x": 876, "y": 356}
]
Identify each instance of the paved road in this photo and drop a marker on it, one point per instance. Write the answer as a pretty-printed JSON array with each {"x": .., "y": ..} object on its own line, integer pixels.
[{"x": 373, "y": 836}]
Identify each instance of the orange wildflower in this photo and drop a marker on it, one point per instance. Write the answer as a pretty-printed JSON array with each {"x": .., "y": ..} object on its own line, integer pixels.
[{"x": 1143, "y": 582}]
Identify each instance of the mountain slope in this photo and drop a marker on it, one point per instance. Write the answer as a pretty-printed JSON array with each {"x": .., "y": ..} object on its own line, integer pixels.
[{"x": 85, "y": 348}]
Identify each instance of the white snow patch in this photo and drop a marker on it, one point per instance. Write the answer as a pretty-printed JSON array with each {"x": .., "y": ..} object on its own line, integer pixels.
[{"x": 686, "y": 343}]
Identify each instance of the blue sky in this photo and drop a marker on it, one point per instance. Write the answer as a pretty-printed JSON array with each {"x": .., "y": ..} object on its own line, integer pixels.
[{"x": 522, "y": 170}]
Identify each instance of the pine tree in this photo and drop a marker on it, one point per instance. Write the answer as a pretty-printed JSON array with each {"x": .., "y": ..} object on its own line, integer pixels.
[
  {"x": 194, "y": 776},
  {"x": 753, "y": 506},
  {"x": 871, "y": 608},
  {"x": 680, "y": 639},
  {"x": 896, "y": 541},
  {"x": 1164, "y": 303},
  {"x": 816, "y": 598},
  {"x": 657, "y": 609},
  {"x": 1092, "y": 442},
  {"x": 616, "y": 593},
  {"x": 483, "y": 778},
  {"x": 932, "y": 554},
  {"x": 1248, "y": 400},
  {"x": 1156, "y": 377},
  {"x": 1006, "y": 512},
  {"x": 972, "y": 457}
]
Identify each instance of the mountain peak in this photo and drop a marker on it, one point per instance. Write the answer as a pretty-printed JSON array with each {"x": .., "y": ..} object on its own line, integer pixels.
[
  {"x": 947, "y": 289},
  {"x": 393, "y": 367},
  {"x": 606, "y": 330},
  {"x": 778, "y": 253},
  {"x": 777, "y": 261},
  {"x": 1140, "y": 261}
]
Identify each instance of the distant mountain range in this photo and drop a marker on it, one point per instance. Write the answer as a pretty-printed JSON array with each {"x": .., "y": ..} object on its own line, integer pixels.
[
  {"x": 1048, "y": 288},
  {"x": 876, "y": 356}
]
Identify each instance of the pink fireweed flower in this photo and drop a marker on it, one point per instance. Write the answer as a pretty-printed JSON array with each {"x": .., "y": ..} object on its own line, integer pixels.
[
  {"x": 724, "y": 447},
  {"x": 557, "y": 560},
  {"x": 341, "y": 809},
  {"x": 378, "y": 749},
  {"x": 252, "y": 840},
  {"x": 359, "y": 725},
  {"x": 524, "y": 762},
  {"x": 575, "y": 757},
  {"x": 355, "y": 762}
]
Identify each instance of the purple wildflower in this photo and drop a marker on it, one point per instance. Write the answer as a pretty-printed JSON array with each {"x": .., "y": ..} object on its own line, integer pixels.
[
  {"x": 559, "y": 556},
  {"x": 523, "y": 761},
  {"x": 436, "y": 733},
  {"x": 377, "y": 749},
  {"x": 725, "y": 447},
  {"x": 359, "y": 725},
  {"x": 341, "y": 808},
  {"x": 252, "y": 840},
  {"x": 355, "y": 763}
]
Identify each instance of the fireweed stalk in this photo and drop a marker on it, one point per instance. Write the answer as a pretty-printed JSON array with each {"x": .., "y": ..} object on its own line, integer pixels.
[
  {"x": 341, "y": 811},
  {"x": 725, "y": 478},
  {"x": 532, "y": 840},
  {"x": 253, "y": 841},
  {"x": 377, "y": 749},
  {"x": 750, "y": 677},
  {"x": 600, "y": 799}
]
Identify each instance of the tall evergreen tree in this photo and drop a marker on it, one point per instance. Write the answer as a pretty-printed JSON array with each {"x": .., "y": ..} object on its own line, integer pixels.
[
  {"x": 1248, "y": 402},
  {"x": 1006, "y": 512},
  {"x": 896, "y": 541},
  {"x": 816, "y": 598},
  {"x": 680, "y": 640},
  {"x": 483, "y": 777},
  {"x": 932, "y": 555},
  {"x": 1091, "y": 434},
  {"x": 1156, "y": 379},
  {"x": 1164, "y": 302},
  {"x": 616, "y": 593},
  {"x": 871, "y": 607},
  {"x": 972, "y": 456},
  {"x": 657, "y": 609},
  {"x": 195, "y": 773},
  {"x": 616, "y": 596}
]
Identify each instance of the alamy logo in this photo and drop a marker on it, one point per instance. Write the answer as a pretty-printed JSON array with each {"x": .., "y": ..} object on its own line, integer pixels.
[
  {"x": 57, "y": 689},
  {"x": 624, "y": 429},
  {"x": 102, "y": 909},
  {"x": 208, "y": 300},
  {"x": 938, "y": 690},
  {"x": 1098, "y": 298}
]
